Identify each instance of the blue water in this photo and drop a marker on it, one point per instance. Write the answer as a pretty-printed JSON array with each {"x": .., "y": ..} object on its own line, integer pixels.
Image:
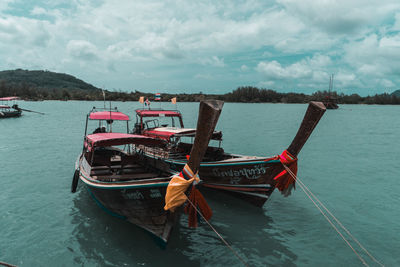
[{"x": 350, "y": 163}]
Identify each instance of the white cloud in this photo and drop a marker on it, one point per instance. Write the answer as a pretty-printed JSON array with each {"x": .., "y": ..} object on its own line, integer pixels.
[
  {"x": 82, "y": 50},
  {"x": 268, "y": 84},
  {"x": 345, "y": 78},
  {"x": 289, "y": 40},
  {"x": 341, "y": 16},
  {"x": 4, "y": 4},
  {"x": 396, "y": 25},
  {"x": 374, "y": 56},
  {"x": 303, "y": 69},
  {"x": 203, "y": 76},
  {"x": 387, "y": 83},
  {"x": 38, "y": 11},
  {"x": 244, "y": 68},
  {"x": 213, "y": 61},
  {"x": 16, "y": 32},
  {"x": 142, "y": 74}
]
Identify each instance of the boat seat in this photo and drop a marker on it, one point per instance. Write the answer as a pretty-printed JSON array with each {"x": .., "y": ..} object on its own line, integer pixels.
[
  {"x": 124, "y": 177},
  {"x": 102, "y": 161},
  {"x": 118, "y": 169},
  {"x": 128, "y": 162},
  {"x": 115, "y": 166}
]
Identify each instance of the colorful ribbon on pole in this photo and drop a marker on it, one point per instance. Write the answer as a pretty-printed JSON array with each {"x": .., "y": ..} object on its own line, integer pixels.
[
  {"x": 284, "y": 181},
  {"x": 176, "y": 197}
]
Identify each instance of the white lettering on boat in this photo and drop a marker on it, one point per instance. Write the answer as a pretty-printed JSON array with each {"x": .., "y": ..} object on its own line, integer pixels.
[
  {"x": 134, "y": 195},
  {"x": 155, "y": 193},
  {"x": 250, "y": 173}
]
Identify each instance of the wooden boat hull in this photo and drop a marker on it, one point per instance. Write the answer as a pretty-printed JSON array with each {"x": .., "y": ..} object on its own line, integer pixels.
[
  {"x": 10, "y": 114},
  {"x": 250, "y": 179},
  {"x": 139, "y": 202},
  {"x": 331, "y": 105}
]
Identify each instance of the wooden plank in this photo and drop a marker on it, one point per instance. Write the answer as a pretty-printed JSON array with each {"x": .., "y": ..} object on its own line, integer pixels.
[
  {"x": 116, "y": 166},
  {"x": 125, "y": 176}
]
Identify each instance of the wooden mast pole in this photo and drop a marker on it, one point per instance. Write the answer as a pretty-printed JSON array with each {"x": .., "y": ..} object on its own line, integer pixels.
[
  {"x": 209, "y": 112},
  {"x": 313, "y": 114}
]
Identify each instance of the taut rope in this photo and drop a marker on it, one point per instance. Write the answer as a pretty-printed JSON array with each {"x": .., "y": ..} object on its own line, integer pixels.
[
  {"x": 312, "y": 197},
  {"x": 222, "y": 239}
]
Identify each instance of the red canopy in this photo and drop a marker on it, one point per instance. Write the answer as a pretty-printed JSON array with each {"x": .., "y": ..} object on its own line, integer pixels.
[
  {"x": 117, "y": 139},
  {"x": 9, "y": 98},
  {"x": 157, "y": 113},
  {"x": 107, "y": 115}
]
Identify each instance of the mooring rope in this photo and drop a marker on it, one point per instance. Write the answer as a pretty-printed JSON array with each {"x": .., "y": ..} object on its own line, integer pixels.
[
  {"x": 310, "y": 195},
  {"x": 342, "y": 226},
  {"x": 222, "y": 239}
]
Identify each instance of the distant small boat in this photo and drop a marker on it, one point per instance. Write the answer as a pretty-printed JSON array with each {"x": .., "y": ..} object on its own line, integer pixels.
[
  {"x": 329, "y": 101},
  {"x": 250, "y": 178},
  {"x": 121, "y": 183},
  {"x": 7, "y": 111}
]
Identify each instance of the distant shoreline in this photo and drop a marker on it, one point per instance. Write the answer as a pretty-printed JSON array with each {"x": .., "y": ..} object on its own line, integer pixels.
[
  {"x": 167, "y": 102},
  {"x": 46, "y": 85}
]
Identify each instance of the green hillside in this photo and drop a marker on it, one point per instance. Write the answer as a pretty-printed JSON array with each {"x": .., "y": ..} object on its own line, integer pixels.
[
  {"x": 43, "y": 80},
  {"x": 47, "y": 85},
  {"x": 396, "y": 93}
]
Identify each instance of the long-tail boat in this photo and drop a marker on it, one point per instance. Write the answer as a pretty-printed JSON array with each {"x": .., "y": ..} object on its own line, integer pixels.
[
  {"x": 7, "y": 111},
  {"x": 251, "y": 178},
  {"x": 121, "y": 183}
]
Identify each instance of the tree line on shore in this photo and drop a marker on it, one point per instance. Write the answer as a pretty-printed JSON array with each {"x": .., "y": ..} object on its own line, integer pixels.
[{"x": 245, "y": 94}]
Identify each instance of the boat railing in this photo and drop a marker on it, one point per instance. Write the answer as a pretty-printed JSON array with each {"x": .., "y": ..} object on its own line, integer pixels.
[
  {"x": 160, "y": 109},
  {"x": 94, "y": 109}
]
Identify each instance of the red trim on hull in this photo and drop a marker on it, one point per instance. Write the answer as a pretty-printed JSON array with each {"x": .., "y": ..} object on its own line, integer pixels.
[{"x": 230, "y": 188}]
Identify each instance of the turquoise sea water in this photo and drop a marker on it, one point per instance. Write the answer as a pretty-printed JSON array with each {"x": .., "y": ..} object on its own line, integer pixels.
[{"x": 350, "y": 163}]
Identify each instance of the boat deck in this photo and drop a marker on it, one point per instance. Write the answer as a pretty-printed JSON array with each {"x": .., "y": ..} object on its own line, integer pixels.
[
  {"x": 120, "y": 172},
  {"x": 115, "y": 165}
]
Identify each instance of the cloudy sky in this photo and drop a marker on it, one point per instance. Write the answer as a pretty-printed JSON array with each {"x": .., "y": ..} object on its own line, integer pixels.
[{"x": 208, "y": 46}]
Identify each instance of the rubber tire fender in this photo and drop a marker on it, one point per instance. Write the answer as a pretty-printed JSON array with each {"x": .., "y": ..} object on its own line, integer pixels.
[{"x": 75, "y": 181}]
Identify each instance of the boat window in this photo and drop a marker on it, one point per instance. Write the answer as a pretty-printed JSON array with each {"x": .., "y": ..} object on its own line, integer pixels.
[{"x": 152, "y": 124}]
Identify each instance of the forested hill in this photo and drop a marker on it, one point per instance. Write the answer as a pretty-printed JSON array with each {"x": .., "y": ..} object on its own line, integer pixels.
[
  {"x": 47, "y": 85},
  {"x": 44, "y": 80},
  {"x": 396, "y": 93}
]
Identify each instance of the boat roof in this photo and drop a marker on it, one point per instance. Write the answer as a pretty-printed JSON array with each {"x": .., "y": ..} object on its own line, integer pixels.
[
  {"x": 157, "y": 113},
  {"x": 168, "y": 132},
  {"x": 9, "y": 98},
  {"x": 117, "y": 139},
  {"x": 108, "y": 115},
  {"x": 4, "y": 106}
]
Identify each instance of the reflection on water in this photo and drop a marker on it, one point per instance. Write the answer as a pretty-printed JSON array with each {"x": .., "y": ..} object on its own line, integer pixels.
[
  {"x": 109, "y": 241},
  {"x": 249, "y": 229}
]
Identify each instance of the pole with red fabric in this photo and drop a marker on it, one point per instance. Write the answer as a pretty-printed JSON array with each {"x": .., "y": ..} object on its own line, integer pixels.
[
  {"x": 284, "y": 181},
  {"x": 313, "y": 114},
  {"x": 208, "y": 116}
]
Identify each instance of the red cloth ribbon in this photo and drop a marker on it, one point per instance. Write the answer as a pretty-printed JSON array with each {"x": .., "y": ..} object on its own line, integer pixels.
[
  {"x": 200, "y": 203},
  {"x": 284, "y": 181}
]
